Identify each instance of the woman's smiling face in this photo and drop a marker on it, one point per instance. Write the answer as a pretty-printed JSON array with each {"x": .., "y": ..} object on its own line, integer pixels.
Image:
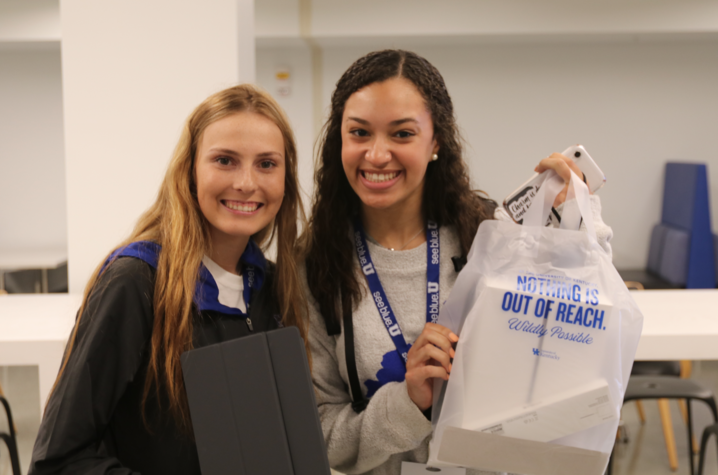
[
  {"x": 239, "y": 171},
  {"x": 387, "y": 143}
]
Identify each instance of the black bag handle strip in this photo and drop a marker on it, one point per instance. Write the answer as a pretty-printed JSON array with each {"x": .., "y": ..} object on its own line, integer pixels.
[{"x": 359, "y": 402}]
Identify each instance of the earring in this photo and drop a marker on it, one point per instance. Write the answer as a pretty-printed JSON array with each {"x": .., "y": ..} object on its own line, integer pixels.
[{"x": 434, "y": 157}]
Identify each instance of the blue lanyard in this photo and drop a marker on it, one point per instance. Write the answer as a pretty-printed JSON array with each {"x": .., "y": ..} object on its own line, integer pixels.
[
  {"x": 249, "y": 282},
  {"x": 377, "y": 290}
]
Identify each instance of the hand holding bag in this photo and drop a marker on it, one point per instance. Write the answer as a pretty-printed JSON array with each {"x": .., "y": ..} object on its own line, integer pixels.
[{"x": 548, "y": 333}]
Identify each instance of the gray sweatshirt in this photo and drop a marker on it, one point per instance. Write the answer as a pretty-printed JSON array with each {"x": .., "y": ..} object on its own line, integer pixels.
[{"x": 391, "y": 429}]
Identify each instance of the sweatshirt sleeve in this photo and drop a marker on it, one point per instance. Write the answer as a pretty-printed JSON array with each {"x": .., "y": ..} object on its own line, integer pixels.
[
  {"x": 113, "y": 333},
  {"x": 356, "y": 443},
  {"x": 604, "y": 233}
]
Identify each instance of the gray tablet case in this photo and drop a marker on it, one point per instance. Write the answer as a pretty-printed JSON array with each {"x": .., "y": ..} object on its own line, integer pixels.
[{"x": 253, "y": 408}]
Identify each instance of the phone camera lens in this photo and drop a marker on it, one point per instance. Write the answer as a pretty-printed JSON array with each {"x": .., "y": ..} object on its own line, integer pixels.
[{"x": 577, "y": 154}]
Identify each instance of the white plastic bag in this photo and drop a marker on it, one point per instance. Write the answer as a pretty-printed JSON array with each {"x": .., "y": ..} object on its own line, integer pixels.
[{"x": 548, "y": 334}]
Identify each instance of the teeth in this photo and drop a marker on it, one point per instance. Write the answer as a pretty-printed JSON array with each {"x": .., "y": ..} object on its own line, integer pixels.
[
  {"x": 380, "y": 177},
  {"x": 247, "y": 208}
]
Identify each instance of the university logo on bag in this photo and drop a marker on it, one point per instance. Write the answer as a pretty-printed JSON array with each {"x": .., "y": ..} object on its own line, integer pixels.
[{"x": 545, "y": 354}]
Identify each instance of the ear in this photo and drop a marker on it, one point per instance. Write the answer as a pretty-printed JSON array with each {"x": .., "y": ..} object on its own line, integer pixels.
[{"x": 436, "y": 146}]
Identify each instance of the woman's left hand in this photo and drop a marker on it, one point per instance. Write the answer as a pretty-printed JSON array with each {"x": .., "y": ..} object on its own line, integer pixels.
[
  {"x": 563, "y": 166},
  {"x": 429, "y": 357}
]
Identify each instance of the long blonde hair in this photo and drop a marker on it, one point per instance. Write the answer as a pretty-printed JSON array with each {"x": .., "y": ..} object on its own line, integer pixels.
[{"x": 176, "y": 223}]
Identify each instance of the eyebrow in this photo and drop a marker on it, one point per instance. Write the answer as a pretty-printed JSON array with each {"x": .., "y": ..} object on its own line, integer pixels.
[
  {"x": 393, "y": 122},
  {"x": 269, "y": 154},
  {"x": 227, "y": 151}
]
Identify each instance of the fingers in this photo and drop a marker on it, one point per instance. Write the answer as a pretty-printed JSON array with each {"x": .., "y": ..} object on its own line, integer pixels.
[
  {"x": 563, "y": 166},
  {"x": 419, "y": 384},
  {"x": 437, "y": 335},
  {"x": 561, "y": 197},
  {"x": 426, "y": 355},
  {"x": 417, "y": 376},
  {"x": 560, "y": 164},
  {"x": 435, "y": 344},
  {"x": 557, "y": 164}
]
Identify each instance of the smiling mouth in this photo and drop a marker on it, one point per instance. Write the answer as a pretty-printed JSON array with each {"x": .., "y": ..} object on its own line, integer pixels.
[
  {"x": 245, "y": 207},
  {"x": 380, "y": 177}
]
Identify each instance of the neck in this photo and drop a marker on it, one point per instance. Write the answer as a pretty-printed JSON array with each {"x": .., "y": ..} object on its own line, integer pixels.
[
  {"x": 394, "y": 228},
  {"x": 226, "y": 250}
]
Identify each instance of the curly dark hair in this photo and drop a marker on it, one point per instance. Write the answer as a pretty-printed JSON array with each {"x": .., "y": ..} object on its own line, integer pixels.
[{"x": 447, "y": 196}]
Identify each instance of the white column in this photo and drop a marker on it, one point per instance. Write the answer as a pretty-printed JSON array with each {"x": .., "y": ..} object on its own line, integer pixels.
[{"x": 132, "y": 72}]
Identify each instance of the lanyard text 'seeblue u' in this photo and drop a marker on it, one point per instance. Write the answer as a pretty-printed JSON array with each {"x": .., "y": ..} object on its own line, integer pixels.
[{"x": 433, "y": 247}]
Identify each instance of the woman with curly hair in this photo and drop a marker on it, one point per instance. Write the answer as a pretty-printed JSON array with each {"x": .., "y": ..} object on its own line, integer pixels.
[
  {"x": 192, "y": 273},
  {"x": 392, "y": 219}
]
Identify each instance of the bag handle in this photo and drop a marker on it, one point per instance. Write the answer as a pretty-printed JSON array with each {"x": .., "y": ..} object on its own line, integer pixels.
[{"x": 577, "y": 203}]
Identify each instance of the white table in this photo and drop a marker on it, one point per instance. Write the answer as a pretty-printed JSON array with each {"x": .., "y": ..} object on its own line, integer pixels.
[
  {"x": 34, "y": 329},
  {"x": 21, "y": 259},
  {"x": 678, "y": 324}
]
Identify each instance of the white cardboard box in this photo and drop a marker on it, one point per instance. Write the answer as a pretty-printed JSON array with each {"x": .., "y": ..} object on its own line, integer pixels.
[{"x": 555, "y": 417}]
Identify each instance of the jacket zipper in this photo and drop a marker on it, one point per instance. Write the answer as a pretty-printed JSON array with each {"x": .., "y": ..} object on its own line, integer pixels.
[{"x": 249, "y": 324}]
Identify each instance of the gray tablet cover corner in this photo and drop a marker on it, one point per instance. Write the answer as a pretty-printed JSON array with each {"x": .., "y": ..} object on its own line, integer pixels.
[{"x": 253, "y": 408}]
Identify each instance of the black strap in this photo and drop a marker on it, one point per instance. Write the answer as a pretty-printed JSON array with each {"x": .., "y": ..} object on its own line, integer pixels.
[
  {"x": 332, "y": 323},
  {"x": 359, "y": 402},
  {"x": 459, "y": 262}
]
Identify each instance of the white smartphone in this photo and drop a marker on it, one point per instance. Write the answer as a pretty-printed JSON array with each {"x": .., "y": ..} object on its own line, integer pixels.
[{"x": 519, "y": 200}]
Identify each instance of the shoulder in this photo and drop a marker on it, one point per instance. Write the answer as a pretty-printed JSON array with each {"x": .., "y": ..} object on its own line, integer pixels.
[
  {"x": 127, "y": 273},
  {"x": 450, "y": 243},
  {"x": 127, "y": 284},
  {"x": 120, "y": 304}
]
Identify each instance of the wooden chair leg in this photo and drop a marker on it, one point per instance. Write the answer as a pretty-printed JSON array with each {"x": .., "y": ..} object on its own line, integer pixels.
[
  {"x": 665, "y": 411},
  {"x": 686, "y": 369},
  {"x": 641, "y": 412}
]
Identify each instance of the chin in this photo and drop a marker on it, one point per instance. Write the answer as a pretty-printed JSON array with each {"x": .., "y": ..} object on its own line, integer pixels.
[{"x": 380, "y": 202}]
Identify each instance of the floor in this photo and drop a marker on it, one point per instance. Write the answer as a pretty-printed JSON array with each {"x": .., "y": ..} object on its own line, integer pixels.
[{"x": 643, "y": 454}]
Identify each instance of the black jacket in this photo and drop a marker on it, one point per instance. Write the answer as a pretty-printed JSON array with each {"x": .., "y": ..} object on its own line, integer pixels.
[{"x": 93, "y": 420}]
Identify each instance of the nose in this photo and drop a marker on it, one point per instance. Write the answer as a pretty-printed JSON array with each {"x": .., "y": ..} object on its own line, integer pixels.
[
  {"x": 244, "y": 180},
  {"x": 379, "y": 154}
]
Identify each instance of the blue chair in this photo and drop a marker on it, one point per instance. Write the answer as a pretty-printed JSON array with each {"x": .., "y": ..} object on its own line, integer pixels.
[{"x": 681, "y": 252}]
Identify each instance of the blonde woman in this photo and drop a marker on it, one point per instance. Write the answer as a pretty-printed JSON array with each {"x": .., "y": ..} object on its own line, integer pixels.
[{"x": 192, "y": 273}]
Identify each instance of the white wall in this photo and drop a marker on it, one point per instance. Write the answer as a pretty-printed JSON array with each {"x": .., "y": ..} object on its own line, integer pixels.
[
  {"x": 32, "y": 168},
  {"x": 35, "y": 20},
  {"x": 132, "y": 73},
  {"x": 297, "y": 58},
  {"x": 514, "y": 75},
  {"x": 633, "y": 105},
  {"x": 332, "y": 19}
]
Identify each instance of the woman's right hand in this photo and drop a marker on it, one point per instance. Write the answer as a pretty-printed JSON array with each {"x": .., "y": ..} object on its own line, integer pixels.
[{"x": 434, "y": 345}]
